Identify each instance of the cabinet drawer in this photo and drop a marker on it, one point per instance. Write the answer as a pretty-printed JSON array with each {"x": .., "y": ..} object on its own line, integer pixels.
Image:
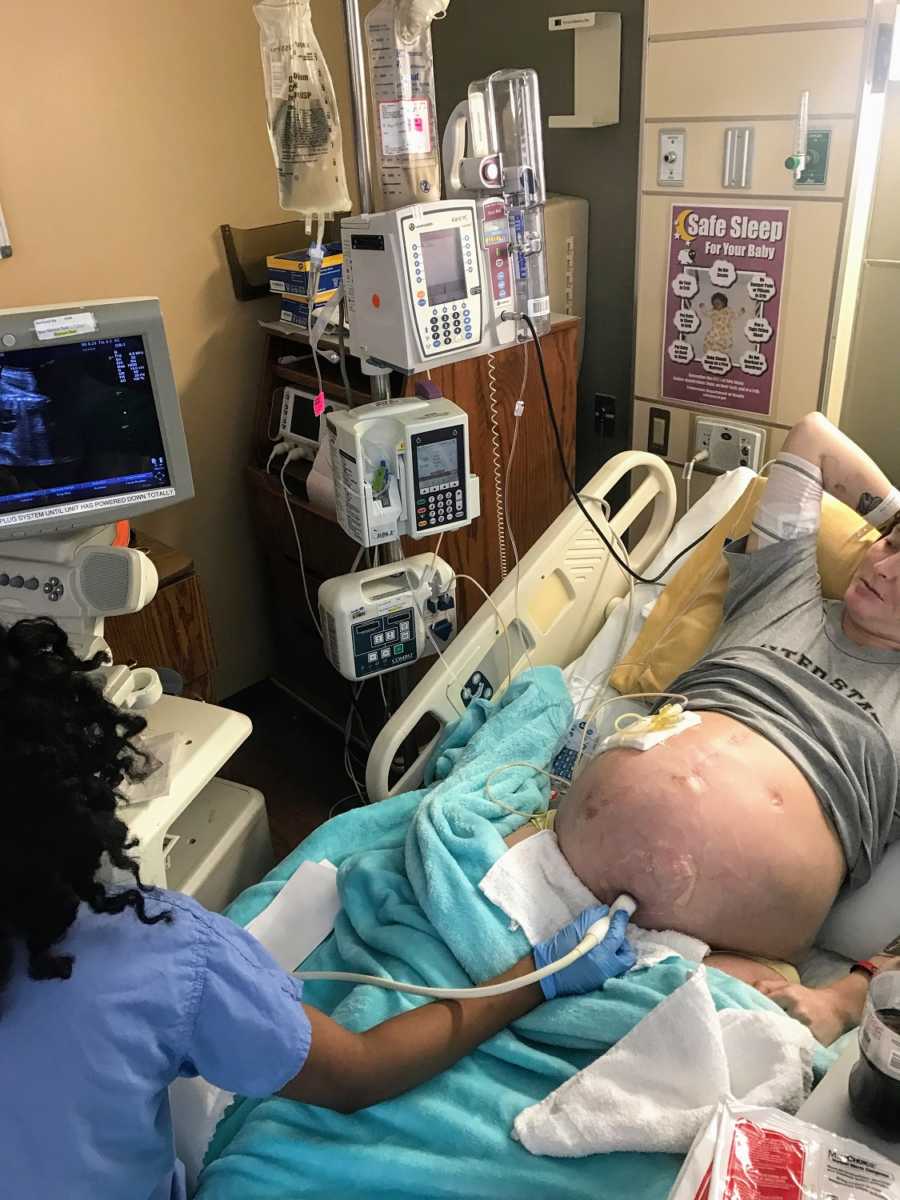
[
  {"x": 172, "y": 631},
  {"x": 219, "y": 845},
  {"x": 327, "y": 550}
]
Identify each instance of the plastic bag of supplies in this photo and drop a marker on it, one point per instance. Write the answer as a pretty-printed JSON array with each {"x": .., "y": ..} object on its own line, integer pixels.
[{"x": 751, "y": 1153}]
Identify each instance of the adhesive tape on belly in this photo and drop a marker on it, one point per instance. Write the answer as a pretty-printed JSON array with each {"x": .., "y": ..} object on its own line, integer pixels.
[{"x": 643, "y": 733}]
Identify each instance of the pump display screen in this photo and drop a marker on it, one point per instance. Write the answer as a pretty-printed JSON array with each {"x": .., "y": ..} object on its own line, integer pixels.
[
  {"x": 437, "y": 464},
  {"x": 442, "y": 258},
  {"x": 79, "y": 429}
]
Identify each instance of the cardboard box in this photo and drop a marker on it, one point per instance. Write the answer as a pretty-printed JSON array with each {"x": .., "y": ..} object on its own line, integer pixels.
[
  {"x": 295, "y": 309},
  {"x": 289, "y": 272}
]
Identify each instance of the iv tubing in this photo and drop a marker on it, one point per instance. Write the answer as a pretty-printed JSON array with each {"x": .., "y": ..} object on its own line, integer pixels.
[{"x": 592, "y": 938}]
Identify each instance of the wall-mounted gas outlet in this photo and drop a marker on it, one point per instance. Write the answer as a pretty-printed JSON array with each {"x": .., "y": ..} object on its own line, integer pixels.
[
  {"x": 730, "y": 444},
  {"x": 737, "y": 171},
  {"x": 670, "y": 167}
]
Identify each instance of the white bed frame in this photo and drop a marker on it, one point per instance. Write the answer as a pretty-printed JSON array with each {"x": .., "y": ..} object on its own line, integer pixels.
[{"x": 567, "y": 582}]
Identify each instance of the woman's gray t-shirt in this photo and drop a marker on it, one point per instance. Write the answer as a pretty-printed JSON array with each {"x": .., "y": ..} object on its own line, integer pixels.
[{"x": 782, "y": 665}]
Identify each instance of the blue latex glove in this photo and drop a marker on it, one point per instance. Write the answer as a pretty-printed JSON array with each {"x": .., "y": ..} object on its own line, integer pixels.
[{"x": 609, "y": 958}]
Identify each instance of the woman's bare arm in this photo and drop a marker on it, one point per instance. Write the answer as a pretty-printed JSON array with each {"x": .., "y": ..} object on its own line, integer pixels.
[
  {"x": 827, "y": 1011},
  {"x": 848, "y": 473}
]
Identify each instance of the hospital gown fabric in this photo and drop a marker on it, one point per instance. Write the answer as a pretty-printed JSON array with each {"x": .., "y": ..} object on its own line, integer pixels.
[{"x": 409, "y": 873}]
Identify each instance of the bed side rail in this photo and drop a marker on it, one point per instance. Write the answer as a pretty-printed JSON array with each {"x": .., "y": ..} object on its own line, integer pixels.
[{"x": 566, "y": 581}]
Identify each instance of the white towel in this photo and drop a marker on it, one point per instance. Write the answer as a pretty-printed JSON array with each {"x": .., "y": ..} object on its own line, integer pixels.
[
  {"x": 657, "y": 1087},
  {"x": 301, "y": 916},
  {"x": 538, "y": 890}
]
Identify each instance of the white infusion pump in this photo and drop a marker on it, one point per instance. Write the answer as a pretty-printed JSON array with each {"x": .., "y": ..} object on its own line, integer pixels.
[
  {"x": 389, "y": 616},
  {"x": 402, "y": 467},
  {"x": 427, "y": 284}
]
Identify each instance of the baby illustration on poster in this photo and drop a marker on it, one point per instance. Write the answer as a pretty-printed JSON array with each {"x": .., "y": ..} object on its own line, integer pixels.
[{"x": 723, "y": 299}]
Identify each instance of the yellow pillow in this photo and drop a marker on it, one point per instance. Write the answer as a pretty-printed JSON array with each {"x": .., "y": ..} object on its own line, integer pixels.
[{"x": 689, "y": 611}]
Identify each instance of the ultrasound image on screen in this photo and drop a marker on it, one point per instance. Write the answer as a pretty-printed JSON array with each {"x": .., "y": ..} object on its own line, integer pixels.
[{"x": 77, "y": 422}]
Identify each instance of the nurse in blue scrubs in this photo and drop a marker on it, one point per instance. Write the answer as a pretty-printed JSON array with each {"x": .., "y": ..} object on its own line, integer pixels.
[{"x": 109, "y": 994}]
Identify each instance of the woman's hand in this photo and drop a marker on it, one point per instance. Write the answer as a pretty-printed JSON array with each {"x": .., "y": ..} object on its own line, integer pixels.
[{"x": 824, "y": 1011}]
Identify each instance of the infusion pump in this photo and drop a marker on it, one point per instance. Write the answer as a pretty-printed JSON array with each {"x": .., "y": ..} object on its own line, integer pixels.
[
  {"x": 429, "y": 283},
  {"x": 402, "y": 467},
  {"x": 387, "y": 617}
]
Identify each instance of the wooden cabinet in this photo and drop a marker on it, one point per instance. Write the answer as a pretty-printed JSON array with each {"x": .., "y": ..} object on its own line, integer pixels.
[
  {"x": 537, "y": 493},
  {"x": 173, "y": 630}
]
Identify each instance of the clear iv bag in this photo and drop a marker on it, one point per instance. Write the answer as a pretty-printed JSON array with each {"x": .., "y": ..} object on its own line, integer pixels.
[
  {"x": 401, "y": 84},
  {"x": 304, "y": 127}
]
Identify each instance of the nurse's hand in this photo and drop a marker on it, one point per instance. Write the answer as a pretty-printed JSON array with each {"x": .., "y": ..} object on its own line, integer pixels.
[
  {"x": 347, "y": 1071},
  {"x": 611, "y": 957}
]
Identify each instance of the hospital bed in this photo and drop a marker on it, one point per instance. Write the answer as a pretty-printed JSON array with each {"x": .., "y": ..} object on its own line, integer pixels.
[
  {"x": 412, "y": 907},
  {"x": 553, "y": 607}
]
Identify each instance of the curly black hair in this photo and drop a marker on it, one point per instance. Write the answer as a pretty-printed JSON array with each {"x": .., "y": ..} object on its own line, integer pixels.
[{"x": 64, "y": 752}]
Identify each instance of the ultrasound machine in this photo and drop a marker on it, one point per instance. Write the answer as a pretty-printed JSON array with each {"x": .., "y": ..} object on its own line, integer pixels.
[{"x": 90, "y": 434}]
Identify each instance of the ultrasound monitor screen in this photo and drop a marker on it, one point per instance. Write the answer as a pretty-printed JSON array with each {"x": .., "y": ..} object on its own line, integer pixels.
[{"x": 79, "y": 430}]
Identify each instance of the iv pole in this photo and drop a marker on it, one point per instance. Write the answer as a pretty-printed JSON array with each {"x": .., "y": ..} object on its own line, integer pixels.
[
  {"x": 397, "y": 682},
  {"x": 355, "y": 56},
  {"x": 380, "y": 382}
]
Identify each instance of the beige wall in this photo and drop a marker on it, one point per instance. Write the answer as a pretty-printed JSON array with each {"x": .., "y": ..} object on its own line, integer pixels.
[
  {"x": 715, "y": 63},
  {"x": 130, "y": 131},
  {"x": 871, "y": 400}
]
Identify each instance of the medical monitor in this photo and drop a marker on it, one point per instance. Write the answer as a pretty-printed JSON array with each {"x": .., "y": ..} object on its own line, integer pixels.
[{"x": 90, "y": 423}]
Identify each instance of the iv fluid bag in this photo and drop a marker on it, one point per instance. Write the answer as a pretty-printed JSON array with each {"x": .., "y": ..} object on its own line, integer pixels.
[
  {"x": 303, "y": 123},
  {"x": 401, "y": 84}
]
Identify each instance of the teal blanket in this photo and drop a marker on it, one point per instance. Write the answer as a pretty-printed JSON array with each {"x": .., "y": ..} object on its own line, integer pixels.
[{"x": 409, "y": 872}]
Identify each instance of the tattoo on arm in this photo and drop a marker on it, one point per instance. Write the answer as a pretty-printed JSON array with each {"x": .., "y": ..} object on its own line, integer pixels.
[{"x": 868, "y": 503}]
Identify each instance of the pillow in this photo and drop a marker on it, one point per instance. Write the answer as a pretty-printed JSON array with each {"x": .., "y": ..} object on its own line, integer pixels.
[
  {"x": 686, "y": 616},
  {"x": 863, "y": 923}
]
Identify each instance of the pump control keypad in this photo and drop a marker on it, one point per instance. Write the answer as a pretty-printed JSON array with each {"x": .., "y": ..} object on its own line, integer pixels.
[
  {"x": 444, "y": 277},
  {"x": 450, "y": 325},
  {"x": 439, "y": 507},
  {"x": 382, "y": 642}
]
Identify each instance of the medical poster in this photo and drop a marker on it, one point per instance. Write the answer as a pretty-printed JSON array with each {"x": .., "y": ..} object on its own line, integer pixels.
[{"x": 723, "y": 299}]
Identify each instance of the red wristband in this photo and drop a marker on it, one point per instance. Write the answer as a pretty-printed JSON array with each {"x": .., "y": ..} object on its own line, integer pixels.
[{"x": 865, "y": 968}]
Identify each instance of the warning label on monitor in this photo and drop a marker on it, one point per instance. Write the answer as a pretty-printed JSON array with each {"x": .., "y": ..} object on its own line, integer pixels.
[
  {"x": 48, "y": 328},
  {"x": 59, "y": 512}
]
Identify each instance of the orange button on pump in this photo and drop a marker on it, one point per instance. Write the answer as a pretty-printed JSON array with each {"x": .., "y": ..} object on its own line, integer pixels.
[
  {"x": 420, "y": 295},
  {"x": 376, "y": 300}
]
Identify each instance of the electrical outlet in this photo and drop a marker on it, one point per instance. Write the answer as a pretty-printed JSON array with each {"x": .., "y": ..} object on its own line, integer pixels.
[
  {"x": 729, "y": 444},
  {"x": 605, "y": 415}
]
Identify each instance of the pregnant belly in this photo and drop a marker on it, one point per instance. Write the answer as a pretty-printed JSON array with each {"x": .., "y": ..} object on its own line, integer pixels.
[{"x": 715, "y": 833}]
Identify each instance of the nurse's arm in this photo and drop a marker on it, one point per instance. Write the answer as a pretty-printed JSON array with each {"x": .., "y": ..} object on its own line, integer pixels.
[{"x": 348, "y": 1071}]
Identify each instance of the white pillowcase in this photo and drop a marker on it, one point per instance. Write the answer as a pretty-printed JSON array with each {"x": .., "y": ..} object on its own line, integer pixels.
[{"x": 864, "y": 922}]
